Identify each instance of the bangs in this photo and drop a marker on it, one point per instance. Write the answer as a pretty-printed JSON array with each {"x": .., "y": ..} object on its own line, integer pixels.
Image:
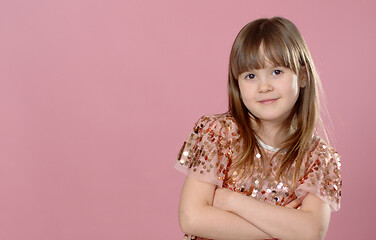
[{"x": 262, "y": 45}]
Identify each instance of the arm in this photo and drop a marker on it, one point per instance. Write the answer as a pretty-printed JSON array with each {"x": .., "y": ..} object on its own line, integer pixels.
[
  {"x": 198, "y": 217},
  {"x": 310, "y": 222}
]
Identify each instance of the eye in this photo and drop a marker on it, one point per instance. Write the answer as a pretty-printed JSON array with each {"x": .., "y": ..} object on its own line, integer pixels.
[
  {"x": 277, "y": 72},
  {"x": 250, "y": 76}
]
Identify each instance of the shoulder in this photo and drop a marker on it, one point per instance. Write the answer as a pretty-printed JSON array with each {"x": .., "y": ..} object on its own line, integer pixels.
[
  {"x": 218, "y": 124},
  {"x": 205, "y": 152},
  {"x": 323, "y": 161},
  {"x": 322, "y": 175},
  {"x": 324, "y": 153}
]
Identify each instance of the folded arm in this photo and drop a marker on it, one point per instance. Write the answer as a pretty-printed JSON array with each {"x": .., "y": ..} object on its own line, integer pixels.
[
  {"x": 311, "y": 221},
  {"x": 198, "y": 217}
]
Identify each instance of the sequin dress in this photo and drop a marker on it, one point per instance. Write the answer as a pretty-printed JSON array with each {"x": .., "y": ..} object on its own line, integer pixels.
[{"x": 215, "y": 141}]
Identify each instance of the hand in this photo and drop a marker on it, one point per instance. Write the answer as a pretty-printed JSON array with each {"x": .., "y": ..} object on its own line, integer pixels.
[
  {"x": 295, "y": 204},
  {"x": 223, "y": 198}
]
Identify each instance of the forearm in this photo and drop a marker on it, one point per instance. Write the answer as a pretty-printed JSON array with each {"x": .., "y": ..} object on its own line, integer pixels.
[
  {"x": 214, "y": 223},
  {"x": 279, "y": 222}
]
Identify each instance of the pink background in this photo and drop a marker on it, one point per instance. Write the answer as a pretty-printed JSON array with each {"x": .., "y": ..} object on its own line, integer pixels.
[{"x": 96, "y": 98}]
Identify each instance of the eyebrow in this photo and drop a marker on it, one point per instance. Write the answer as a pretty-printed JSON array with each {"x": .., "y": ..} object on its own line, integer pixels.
[{"x": 268, "y": 68}]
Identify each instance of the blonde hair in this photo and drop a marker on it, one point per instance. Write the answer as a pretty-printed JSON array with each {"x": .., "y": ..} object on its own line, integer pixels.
[{"x": 283, "y": 46}]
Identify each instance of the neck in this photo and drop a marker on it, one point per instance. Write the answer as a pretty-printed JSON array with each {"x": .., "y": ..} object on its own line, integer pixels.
[{"x": 270, "y": 133}]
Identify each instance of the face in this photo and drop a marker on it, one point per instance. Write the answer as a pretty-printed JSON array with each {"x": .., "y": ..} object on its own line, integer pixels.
[{"x": 270, "y": 93}]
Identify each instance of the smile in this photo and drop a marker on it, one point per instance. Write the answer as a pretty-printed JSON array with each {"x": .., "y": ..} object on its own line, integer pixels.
[{"x": 268, "y": 101}]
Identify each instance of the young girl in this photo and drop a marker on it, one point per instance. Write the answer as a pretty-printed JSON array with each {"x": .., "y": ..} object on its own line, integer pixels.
[{"x": 260, "y": 171}]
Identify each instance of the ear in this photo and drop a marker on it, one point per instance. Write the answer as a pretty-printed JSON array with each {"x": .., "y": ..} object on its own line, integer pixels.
[{"x": 302, "y": 77}]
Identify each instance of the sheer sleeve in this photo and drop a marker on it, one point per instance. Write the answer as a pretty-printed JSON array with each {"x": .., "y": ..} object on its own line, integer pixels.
[
  {"x": 323, "y": 177},
  {"x": 201, "y": 154}
]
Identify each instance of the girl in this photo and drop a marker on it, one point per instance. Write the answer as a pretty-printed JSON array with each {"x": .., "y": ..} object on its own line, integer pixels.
[{"x": 260, "y": 171}]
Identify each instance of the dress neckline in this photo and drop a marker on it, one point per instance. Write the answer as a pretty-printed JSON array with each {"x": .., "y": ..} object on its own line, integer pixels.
[{"x": 267, "y": 147}]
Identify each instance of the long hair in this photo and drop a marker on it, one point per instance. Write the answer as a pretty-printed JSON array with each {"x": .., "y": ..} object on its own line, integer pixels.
[{"x": 284, "y": 46}]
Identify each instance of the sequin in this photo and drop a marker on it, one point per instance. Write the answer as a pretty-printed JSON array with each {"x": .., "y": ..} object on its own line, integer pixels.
[
  {"x": 254, "y": 193},
  {"x": 258, "y": 155}
]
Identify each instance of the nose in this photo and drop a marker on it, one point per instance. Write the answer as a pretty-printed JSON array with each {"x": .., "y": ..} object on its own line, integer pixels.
[{"x": 265, "y": 85}]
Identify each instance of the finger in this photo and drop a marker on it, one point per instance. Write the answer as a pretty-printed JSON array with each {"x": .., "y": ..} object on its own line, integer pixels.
[
  {"x": 294, "y": 204},
  {"x": 297, "y": 203}
]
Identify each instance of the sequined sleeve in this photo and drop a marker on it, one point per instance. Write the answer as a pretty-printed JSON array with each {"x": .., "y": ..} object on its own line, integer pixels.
[
  {"x": 201, "y": 154},
  {"x": 323, "y": 177}
]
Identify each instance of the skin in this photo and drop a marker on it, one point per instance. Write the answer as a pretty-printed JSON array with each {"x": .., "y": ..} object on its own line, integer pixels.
[
  {"x": 271, "y": 82},
  {"x": 222, "y": 214},
  {"x": 310, "y": 221}
]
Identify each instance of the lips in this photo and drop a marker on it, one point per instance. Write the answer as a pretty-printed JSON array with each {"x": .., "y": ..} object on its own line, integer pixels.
[{"x": 268, "y": 101}]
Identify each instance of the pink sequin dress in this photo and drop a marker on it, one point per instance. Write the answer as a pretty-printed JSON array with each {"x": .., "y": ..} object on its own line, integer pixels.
[{"x": 215, "y": 141}]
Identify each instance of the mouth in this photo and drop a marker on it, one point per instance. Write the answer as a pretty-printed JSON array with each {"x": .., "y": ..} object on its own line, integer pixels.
[{"x": 268, "y": 101}]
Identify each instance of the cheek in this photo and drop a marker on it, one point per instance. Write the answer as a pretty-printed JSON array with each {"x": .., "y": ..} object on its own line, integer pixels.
[
  {"x": 294, "y": 93},
  {"x": 243, "y": 95},
  {"x": 296, "y": 90},
  {"x": 248, "y": 99},
  {"x": 292, "y": 89},
  {"x": 246, "y": 92}
]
